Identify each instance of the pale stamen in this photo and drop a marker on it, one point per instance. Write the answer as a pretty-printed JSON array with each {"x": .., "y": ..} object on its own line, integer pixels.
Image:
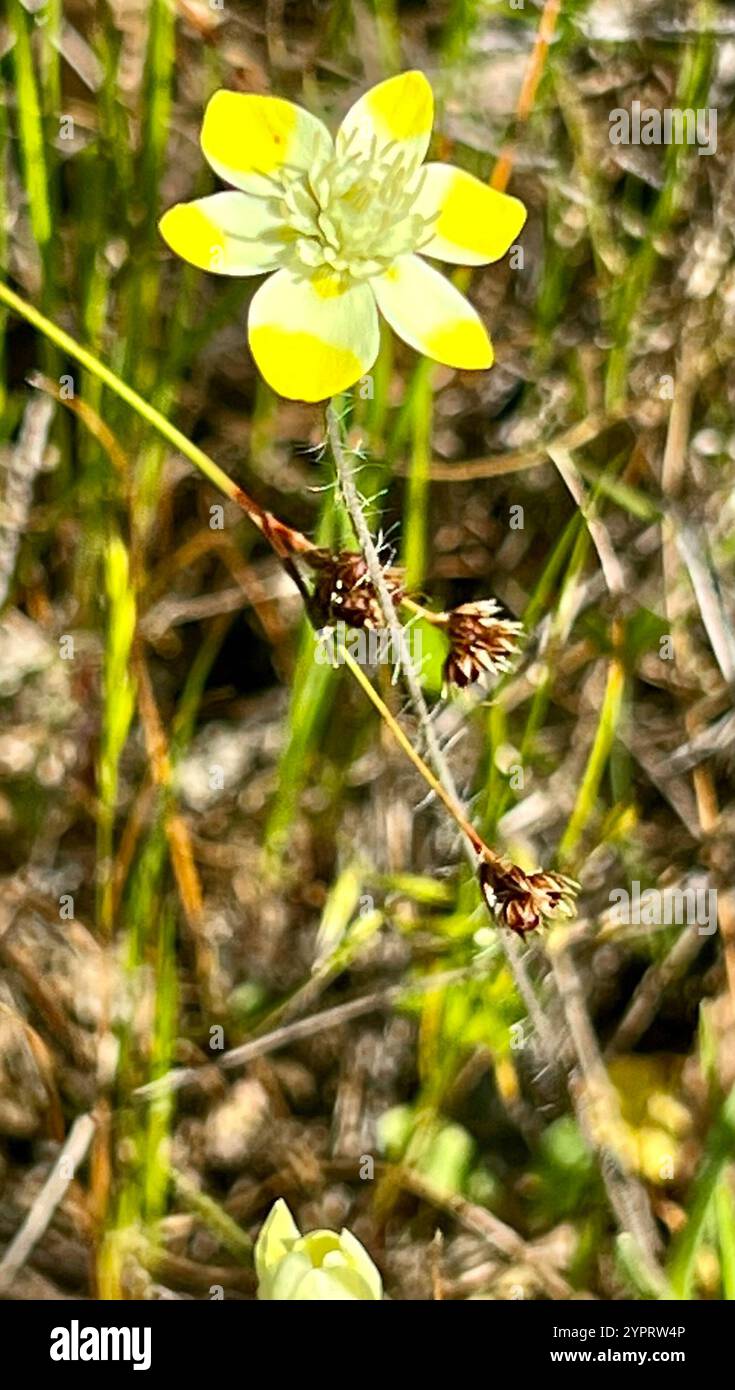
[{"x": 352, "y": 214}]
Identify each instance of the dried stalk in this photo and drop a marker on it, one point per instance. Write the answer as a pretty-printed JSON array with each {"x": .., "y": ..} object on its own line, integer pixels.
[
  {"x": 598, "y": 1113},
  {"x": 646, "y": 998},
  {"x": 25, "y": 463},
  {"x": 48, "y": 1199},
  {"x": 305, "y": 1028}
]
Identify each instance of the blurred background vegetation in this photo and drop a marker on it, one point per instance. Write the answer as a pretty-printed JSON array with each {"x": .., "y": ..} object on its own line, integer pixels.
[{"x": 207, "y": 836}]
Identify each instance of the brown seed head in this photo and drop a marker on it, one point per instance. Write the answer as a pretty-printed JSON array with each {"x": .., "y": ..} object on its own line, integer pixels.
[
  {"x": 524, "y": 901},
  {"x": 343, "y": 588},
  {"x": 479, "y": 641}
]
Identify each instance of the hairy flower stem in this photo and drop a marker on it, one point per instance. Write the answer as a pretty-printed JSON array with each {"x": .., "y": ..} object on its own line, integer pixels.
[
  {"x": 473, "y": 843},
  {"x": 353, "y": 504}
]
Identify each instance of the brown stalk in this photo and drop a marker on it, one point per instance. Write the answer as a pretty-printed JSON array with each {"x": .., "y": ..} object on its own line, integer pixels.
[{"x": 529, "y": 87}]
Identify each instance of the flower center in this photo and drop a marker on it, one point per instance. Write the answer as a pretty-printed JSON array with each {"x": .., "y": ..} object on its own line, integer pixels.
[{"x": 351, "y": 215}]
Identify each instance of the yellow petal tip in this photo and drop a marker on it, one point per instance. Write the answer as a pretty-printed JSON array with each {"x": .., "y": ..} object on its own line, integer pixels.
[
  {"x": 402, "y": 106},
  {"x": 463, "y": 344},
  {"x": 476, "y": 218},
  {"x": 300, "y": 366},
  {"x": 193, "y": 236},
  {"x": 246, "y": 133}
]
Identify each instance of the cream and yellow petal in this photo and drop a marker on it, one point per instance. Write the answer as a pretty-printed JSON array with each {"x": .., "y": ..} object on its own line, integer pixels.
[
  {"x": 470, "y": 223},
  {"x": 250, "y": 140},
  {"x": 431, "y": 315},
  {"x": 284, "y": 1283},
  {"x": 359, "y": 1260},
  {"x": 228, "y": 233},
  {"x": 398, "y": 113},
  {"x": 312, "y": 338},
  {"x": 277, "y": 1236},
  {"x": 323, "y": 1286}
]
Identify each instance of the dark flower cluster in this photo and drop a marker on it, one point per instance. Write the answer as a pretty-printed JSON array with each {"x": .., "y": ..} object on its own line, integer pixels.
[
  {"x": 524, "y": 901},
  {"x": 343, "y": 589},
  {"x": 480, "y": 642}
]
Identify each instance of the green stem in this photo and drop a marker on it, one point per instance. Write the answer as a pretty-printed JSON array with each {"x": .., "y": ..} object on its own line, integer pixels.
[
  {"x": 417, "y": 498},
  {"x": 283, "y": 539},
  {"x": 147, "y": 412}
]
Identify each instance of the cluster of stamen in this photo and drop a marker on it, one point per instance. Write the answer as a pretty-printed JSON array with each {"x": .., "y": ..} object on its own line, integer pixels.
[{"x": 350, "y": 216}]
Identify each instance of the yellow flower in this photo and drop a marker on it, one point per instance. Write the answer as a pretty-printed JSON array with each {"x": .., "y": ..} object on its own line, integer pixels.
[
  {"x": 319, "y": 1266},
  {"x": 340, "y": 222}
]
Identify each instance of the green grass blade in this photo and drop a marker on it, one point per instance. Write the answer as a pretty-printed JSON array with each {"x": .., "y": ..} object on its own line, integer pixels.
[
  {"x": 586, "y": 800},
  {"x": 30, "y": 128}
]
